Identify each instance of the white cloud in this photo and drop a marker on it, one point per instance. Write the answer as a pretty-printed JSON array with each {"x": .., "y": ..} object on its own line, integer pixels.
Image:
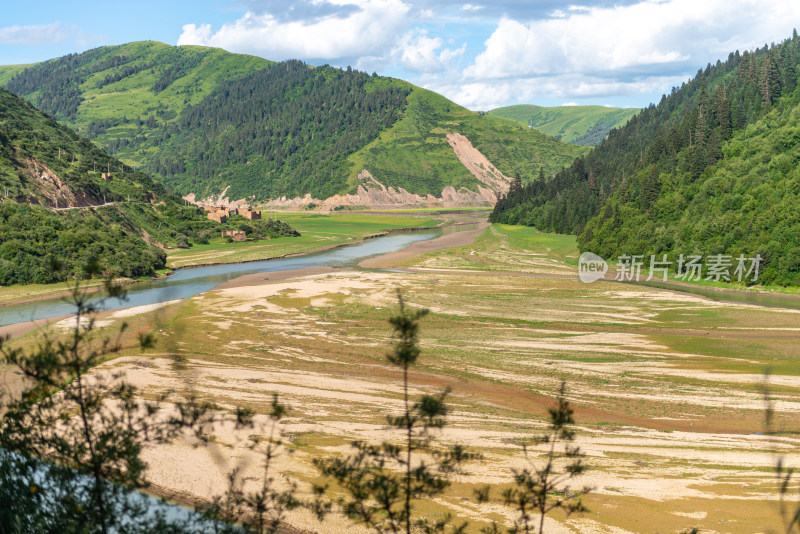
[
  {"x": 568, "y": 104},
  {"x": 367, "y": 32},
  {"x": 629, "y": 38},
  {"x": 43, "y": 34},
  {"x": 569, "y": 52},
  {"x": 419, "y": 53},
  {"x": 490, "y": 94}
]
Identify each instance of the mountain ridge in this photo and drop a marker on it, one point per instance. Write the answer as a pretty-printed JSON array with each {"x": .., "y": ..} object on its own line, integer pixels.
[{"x": 105, "y": 88}]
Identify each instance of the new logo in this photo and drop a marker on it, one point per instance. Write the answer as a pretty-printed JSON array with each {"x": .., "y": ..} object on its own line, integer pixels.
[{"x": 591, "y": 267}]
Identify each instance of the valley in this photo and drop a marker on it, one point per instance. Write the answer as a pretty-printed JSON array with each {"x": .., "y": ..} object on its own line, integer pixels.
[
  {"x": 288, "y": 297},
  {"x": 667, "y": 386}
]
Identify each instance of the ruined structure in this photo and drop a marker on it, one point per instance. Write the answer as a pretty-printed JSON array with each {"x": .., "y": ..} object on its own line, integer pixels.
[
  {"x": 247, "y": 213},
  {"x": 219, "y": 216},
  {"x": 236, "y": 235}
]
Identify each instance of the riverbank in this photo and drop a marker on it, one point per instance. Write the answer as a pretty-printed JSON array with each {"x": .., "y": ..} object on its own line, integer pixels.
[
  {"x": 13, "y": 331},
  {"x": 274, "y": 276},
  {"x": 455, "y": 239},
  {"x": 325, "y": 248},
  {"x": 187, "y": 282},
  {"x": 318, "y": 233},
  {"x": 63, "y": 289}
]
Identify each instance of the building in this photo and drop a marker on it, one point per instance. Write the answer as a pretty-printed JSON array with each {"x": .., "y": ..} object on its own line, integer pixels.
[
  {"x": 106, "y": 176},
  {"x": 236, "y": 235},
  {"x": 219, "y": 216},
  {"x": 249, "y": 214}
]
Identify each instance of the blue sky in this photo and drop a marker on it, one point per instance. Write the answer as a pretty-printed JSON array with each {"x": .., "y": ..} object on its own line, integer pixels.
[{"x": 481, "y": 54}]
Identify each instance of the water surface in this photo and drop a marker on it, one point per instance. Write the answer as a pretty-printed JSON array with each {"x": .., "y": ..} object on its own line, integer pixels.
[{"x": 184, "y": 283}]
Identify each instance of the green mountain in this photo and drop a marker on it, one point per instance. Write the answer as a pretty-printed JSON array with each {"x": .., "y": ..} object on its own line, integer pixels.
[
  {"x": 64, "y": 198},
  {"x": 207, "y": 121},
  {"x": 712, "y": 169},
  {"x": 579, "y": 125}
]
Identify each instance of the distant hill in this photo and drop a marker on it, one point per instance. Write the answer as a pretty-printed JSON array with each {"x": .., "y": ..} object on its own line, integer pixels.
[
  {"x": 579, "y": 125},
  {"x": 63, "y": 198},
  {"x": 209, "y": 122},
  {"x": 714, "y": 168}
]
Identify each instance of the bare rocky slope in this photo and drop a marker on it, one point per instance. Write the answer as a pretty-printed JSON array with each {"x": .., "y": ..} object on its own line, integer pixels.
[{"x": 371, "y": 193}]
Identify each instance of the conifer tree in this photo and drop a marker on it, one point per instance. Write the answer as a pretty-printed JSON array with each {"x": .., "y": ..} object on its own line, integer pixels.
[
  {"x": 544, "y": 485},
  {"x": 73, "y": 438},
  {"x": 770, "y": 81},
  {"x": 384, "y": 482},
  {"x": 651, "y": 188}
]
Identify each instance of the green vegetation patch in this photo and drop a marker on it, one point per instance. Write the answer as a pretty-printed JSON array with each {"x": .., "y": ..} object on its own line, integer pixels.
[{"x": 580, "y": 125}]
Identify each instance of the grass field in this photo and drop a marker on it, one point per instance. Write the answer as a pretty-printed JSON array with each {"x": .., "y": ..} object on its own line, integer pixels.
[
  {"x": 316, "y": 231},
  {"x": 667, "y": 386},
  {"x": 584, "y": 125},
  {"x": 18, "y": 293},
  {"x": 507, "y": 248}
]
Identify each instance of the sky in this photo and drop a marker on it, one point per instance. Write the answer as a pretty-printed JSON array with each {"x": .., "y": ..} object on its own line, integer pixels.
[{"x": 481, "y": 54}]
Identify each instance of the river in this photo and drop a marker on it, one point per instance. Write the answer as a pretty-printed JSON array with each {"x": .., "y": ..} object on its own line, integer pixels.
[{"x": 184, "y": 283}]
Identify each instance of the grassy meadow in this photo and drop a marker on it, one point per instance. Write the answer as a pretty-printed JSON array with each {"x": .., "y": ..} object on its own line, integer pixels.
[{"x": 583, "y": 125}]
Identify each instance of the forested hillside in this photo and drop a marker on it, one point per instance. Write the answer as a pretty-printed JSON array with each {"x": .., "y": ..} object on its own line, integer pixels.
[
  {"x": 55, "y": 204},
  {"x": 271, "y": 129},
  {"x": 293, "y": 124},
  {"x": 712, "y": 169},
  {"x": 579, "y": 125}
]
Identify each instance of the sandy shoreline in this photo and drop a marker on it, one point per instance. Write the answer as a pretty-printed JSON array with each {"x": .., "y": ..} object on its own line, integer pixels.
[
  {"x": 20, "y": 329},
  {"x": 13, "y": 331},
  {"x": 456, "y": 239},
  {"x": 274, "y": 276}
]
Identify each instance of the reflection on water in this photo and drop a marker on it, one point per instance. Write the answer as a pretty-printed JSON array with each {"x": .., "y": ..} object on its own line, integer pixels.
[{"x": 184, "y": 283}]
